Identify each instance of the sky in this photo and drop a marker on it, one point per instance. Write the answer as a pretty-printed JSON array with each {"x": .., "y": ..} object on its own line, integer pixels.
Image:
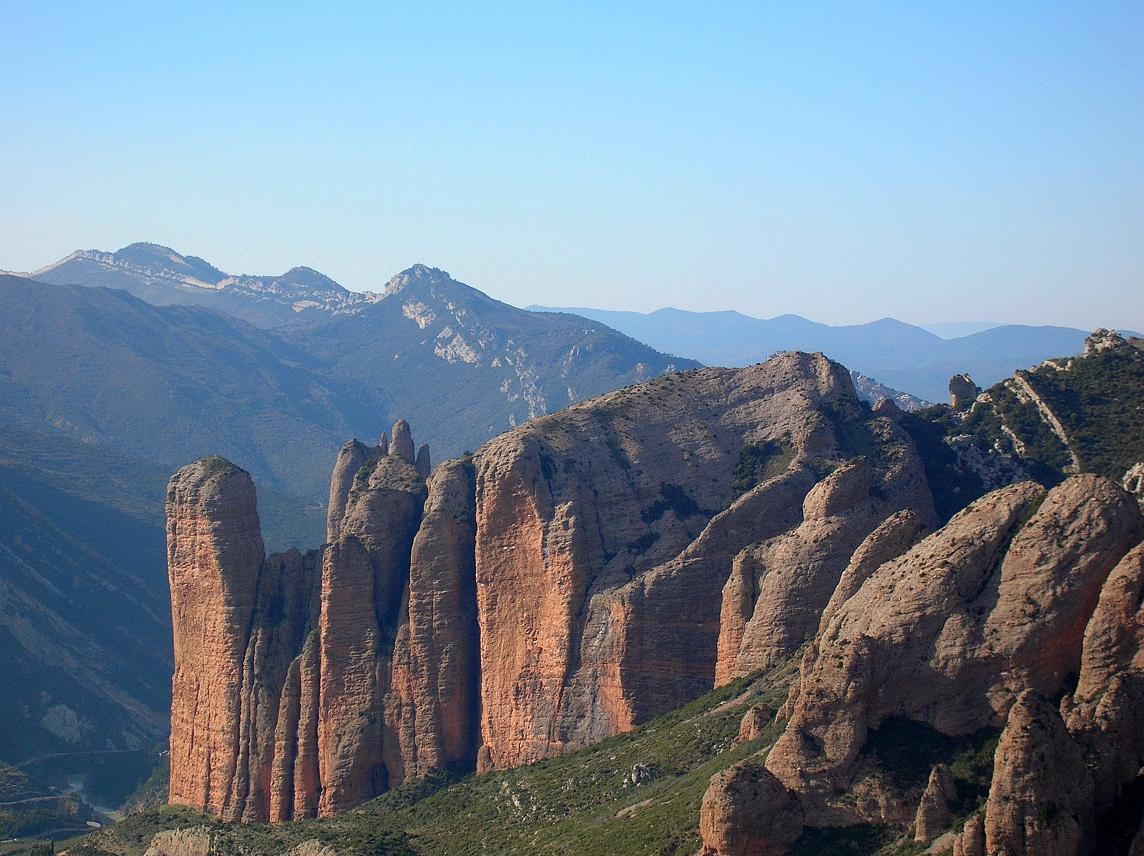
[{"x": 844, "y": 161}]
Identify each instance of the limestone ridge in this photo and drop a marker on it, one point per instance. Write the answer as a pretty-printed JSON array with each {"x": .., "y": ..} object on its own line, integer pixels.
[
  {"x": 559, "y": 586},
  {"x": 971, "y": 628}
]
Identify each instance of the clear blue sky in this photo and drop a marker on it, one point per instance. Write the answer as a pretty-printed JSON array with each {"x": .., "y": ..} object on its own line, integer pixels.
[{"x": 926, "y": 160}]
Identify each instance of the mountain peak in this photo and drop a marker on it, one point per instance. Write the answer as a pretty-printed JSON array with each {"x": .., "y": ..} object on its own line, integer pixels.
[
  {"x": 312, "y": 279},
  {"x": 418, "y": 274},
  {"x": 151, "y": 256}
]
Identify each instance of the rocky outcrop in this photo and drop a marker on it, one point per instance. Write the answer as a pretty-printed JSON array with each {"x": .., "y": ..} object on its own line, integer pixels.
[
  {"x": 283, "y": 697},
  {"x": 1106, "y": 713},
  {"x": 1041, "y": 799},
  {"x": 747, "y": 812},
  {"x": 442, "y": 622},
  {"x": 1102, "y": 339},
  {"x": 793, "y": 575},
  {"x": 1056, "y": 773},
  {"x": 973, "y": 627},
  {"x": 181, "y": 842},
  {"x": 424, "y": 466},
  {"x": 962, "y": 391},
  {"x": 214, "y": 553},
  {"x": 563, "y": 584},
  {"x": 1133, "y": 481},
  {"x": 601, "y": 552},
  {"x": 992, "y": 604},
  {"x": 755, "y": 722},
  {"x": 970, "y": 840},
  {"x": 934, "y": 813},
  {"x": 351, "y": 458},
  {"x": 402, "y": 443}
]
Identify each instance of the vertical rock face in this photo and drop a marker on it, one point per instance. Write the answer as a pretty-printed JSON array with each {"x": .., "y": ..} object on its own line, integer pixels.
[
  {"x": 214, "y": 553},
  {"x": 402, "y": 443},
  {"x": 284, "y": 663},
  {"x": 443, "y": 643},
  {"x": 601, "y": 550},
  {"x": 563, "y": 584}
]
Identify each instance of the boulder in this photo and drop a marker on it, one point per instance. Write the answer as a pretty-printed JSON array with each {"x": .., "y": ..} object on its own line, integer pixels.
[
  {"x": 962, "y": 391},
  {"x": 746, "y": 811}
]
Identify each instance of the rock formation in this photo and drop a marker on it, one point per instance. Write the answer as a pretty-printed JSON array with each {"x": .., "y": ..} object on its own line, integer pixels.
[
  {"x": 214, "y": 553},
  {"x": 1041, "y": 800},
  {"x": 560, "y": 586},
  {"x": 974, "y": 627},
  {"x": 793, "y": 576},
  {"x": 602, "y": 553},
  {"x": 731, "y": 822},
  {"x": 754, "y": 722},
  {"x": 288, "y": 666},
  {"x": 962, "y": 391},
  {"x": 351, "y": 458},
  {"x": 934, "y": 814}
]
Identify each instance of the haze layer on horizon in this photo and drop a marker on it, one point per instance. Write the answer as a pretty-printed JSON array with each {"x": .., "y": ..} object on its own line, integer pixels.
[{"x": 930, "y": 162}]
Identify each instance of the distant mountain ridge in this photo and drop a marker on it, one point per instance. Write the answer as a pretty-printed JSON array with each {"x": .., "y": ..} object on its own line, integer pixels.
[
  {"x": 162, "y": 276},
  {"x": 168, "y": 383},
  {"x": 900, "y": 355}
]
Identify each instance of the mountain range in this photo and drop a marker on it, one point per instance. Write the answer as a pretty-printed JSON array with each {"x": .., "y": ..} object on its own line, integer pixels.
[
  {"x": 166, "y": 379},
  {"x": 900, "y": 355},
  {"x": 161, "y": 276}
]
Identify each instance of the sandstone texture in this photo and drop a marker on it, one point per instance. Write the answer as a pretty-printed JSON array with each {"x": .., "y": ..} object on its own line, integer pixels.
[
  {"x": 214, "y": 553},
  {"x": 993, "y": 603},
  {"x": 289, "y": 666},
  {"x": 604, "y": 538}
]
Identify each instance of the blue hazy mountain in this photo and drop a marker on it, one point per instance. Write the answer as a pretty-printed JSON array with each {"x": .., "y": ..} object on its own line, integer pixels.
[{"x": 900, "y": 355}]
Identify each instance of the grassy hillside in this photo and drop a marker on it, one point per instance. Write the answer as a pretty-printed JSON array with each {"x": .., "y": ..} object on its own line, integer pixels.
[{"x": 638, "y": 793}]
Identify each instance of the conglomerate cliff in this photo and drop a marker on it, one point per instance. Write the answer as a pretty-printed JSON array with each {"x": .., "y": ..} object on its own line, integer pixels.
[{"x": 561, "y": 585}]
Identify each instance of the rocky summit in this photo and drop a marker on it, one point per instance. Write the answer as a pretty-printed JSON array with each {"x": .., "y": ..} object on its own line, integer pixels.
[{"x": 564, "y": 583}]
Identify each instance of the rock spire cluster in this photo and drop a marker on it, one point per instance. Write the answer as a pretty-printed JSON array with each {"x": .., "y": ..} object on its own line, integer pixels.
[{"x": 560, "y": 586}]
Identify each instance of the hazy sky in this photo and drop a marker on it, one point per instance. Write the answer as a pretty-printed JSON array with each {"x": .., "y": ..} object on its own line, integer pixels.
[{"x": 926, "y": 160}]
